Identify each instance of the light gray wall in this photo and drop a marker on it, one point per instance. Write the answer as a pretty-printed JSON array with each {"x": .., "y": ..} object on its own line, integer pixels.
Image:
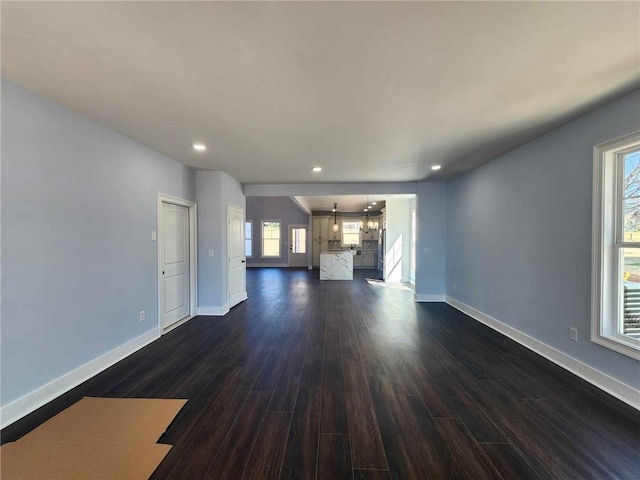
[
  {"x": 398, "y": 237},
  {"x": 274, "y": 208},
  {"x": 78, "y": 261},
  {"x": 519, "y": 236},
  {"x": 431, "y": 244},
  {"x": 215, "y": 190}
]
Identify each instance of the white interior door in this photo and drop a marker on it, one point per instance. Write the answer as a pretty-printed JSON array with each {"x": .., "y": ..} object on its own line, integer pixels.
[
  {"x": 175, "y": 263},
  {"x": 297, "y": 246},
  {"x": 236, "y": 277}
]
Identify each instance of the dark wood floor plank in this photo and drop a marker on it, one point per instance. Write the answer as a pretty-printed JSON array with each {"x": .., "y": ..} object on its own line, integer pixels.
[
  {"x": 286, "y": 390},
  {"x": 432, "y": 451},
  {"x": 438, "y": 404},
  {"x": 471, "y": 459},
  {"x": 466, "y": 409},
  {"x": 334, "y": 458},
  {"x": 333, "y": 417},
  {"x": 514, "y": 428},
  {"x": 205, "y": 444},
  {"x": 366, "y": 442},
  {"x": 314, "y": 359},
  {"x": 233, "y": 455},
  {"x": 364, "y": 373},
  {"x": 398, "y": 437},
  {"x": 301, "y": 455},
  {"x": 266, "y": 458},
  {"x": 509, "y": 463},
  {"x": 617, "y": 454},
  {"x": 370, "y": 474},
  {"x": 573, "y": 460}
]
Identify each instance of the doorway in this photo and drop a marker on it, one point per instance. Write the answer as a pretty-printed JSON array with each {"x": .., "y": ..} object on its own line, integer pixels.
[
  {"x": 298, "y": 246},
  {"x": 176, "y": 221},
  {"x": 237, "y": 263}
]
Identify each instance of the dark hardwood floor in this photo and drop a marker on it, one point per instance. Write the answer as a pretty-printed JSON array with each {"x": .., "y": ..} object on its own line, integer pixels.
[{"x": 342, "y": 380}]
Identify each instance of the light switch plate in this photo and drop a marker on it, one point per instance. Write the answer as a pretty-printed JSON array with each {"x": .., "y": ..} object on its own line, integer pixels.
[
  {"x": 211, "y": 253},
  {"x": 153, "y": 235}
]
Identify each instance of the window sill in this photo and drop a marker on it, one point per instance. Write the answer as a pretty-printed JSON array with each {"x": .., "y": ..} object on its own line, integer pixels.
[{"x": 618, "y": 344}]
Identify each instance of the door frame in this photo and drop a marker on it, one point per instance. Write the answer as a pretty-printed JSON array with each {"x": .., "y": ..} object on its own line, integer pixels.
[
  {"x": 193, "y": 259},
  {"x": 228, "y": 259},
  {"x": 290, "y": 244}
]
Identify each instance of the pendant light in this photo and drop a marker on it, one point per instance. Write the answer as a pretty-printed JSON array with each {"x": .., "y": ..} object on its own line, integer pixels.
[
  {"x": 335, "y": 218},
  {"x": 370, "y": 224}
]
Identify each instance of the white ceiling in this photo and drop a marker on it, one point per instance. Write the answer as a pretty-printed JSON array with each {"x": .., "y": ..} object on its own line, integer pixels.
[{"x": 371, "y": 91}]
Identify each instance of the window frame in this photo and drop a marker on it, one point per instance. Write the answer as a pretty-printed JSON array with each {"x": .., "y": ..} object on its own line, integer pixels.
[
  {"x": 245, "y": 238},
  {"x": 262, "y": 222},
  {"x": 292, "y": 228},
  {"x": 608, "y": 221},
  {"x": 347, "y": 220}
]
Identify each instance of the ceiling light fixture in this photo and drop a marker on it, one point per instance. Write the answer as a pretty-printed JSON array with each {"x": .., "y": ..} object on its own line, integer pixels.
[
  {"x": 370, "y": 224},
  {"x": 316, "y": 169},
  {"x": 436, "y": 167},
  {"x": 374, "y": 203},
  {"x": 335, "y": 217},
  {"x": 200, "y": 147}
]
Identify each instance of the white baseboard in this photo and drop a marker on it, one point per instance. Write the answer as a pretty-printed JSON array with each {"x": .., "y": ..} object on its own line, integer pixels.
[
  {"x": 623, "y": 392},
  {"x": 215, "y": 311},
  {"x": 428, "y": 297},
  {"x": 33, "y": 400}
]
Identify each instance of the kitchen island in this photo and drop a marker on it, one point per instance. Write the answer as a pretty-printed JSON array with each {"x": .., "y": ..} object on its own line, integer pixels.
[{"x": 336, "y": 265}]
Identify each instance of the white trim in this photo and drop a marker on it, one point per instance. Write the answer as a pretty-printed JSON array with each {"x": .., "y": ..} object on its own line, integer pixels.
[
  {"x": 427, "y": 297},
  {"x": 272, "y": 220},
  {"x": 176, "y": 324},
  {"x": 604, "y": 285},
  {"x": 40, "y": 396},
  {"x": 597, "y": 378},
  {"x": 246, "y": 220},
  {"x": 214, "y": 311},
  {"x": 302, "y": 203},
  {"x": 290, "y": 227},
  {"x": 193, "y": 256}
]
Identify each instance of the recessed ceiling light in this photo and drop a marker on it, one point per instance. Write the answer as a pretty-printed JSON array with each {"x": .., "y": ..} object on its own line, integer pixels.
[
  {"x": 316, "y": 169},
  {"x": 374, "y": 203},
  {"x": 369, "y": 207},
  {"x": 436, "y": 167},
  {"x": 200, "y": 147},
  {"x": 364, "y": 210}
]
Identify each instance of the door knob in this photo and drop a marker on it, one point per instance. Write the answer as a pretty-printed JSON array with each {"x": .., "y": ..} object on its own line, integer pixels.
[{"x": 243, "y": 261}]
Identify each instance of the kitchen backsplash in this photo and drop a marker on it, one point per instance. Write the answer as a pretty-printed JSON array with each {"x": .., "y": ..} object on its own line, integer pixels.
[{"x": 366, "y": 245}]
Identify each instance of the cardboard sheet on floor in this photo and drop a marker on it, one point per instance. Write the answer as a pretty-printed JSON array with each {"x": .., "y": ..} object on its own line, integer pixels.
[{"x": 96, "y": 438}]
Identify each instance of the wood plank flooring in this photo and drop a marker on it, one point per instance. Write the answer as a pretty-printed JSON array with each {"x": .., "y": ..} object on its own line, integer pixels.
[{"x": 349, "y": 380}]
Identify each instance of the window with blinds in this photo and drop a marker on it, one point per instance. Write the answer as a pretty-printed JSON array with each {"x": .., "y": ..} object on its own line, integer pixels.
[{"x": 615, "y": 315}]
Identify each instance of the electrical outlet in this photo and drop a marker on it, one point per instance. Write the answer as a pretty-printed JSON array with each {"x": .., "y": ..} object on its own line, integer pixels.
[
  {"x": 573, "y": 334},
  {"x": 143, "y": 316}
]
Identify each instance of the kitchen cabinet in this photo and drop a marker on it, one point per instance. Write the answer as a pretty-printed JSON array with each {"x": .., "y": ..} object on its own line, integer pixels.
[
  {"x": 320, "y": 228},
  {"x": 367, "y": 259}
]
